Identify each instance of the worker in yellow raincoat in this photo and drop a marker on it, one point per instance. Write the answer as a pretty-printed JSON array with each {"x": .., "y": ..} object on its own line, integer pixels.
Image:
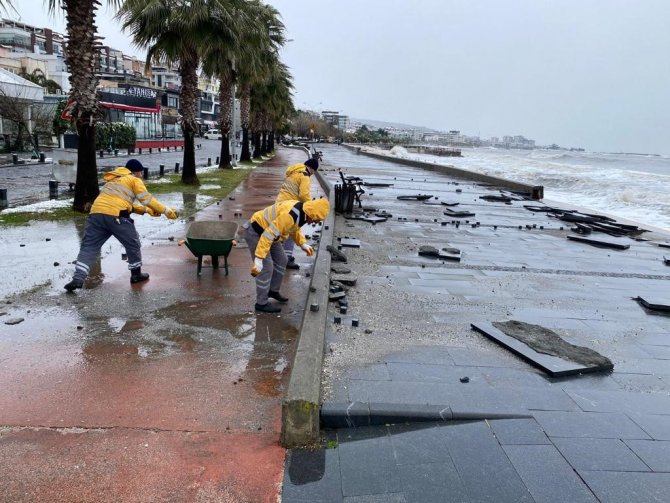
[
  {"x": 123, "y": 193},
  {"x": 296, "y": 187},
  {"x": 265, "y": 234}
]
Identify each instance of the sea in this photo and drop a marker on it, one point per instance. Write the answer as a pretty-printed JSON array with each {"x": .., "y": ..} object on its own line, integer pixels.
[{"x": 629, "y": 186}]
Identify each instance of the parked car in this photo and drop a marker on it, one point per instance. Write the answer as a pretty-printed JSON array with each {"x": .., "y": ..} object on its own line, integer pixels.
[{"x": 213, "y": 134}]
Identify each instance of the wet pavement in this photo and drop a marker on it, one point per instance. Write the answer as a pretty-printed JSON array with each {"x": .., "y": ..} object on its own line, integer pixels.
[
  {"x": 29, "y": 183},
  {"x": 168, "y": 390},
  {"x": 444, "y": 414}
]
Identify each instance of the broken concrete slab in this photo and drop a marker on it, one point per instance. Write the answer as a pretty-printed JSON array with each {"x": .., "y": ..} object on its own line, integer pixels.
[
  {"x": 599, "y": 244},
  {"x": 337, "y": 295},
  {"x": 449, "y": 203},
  {"x": 544, "y": 348},
  {"x": 345, "y": 280},
  {"x": 458, "y": 214},
  {"x": 14, "y": 321},
  {"x": 374, "y": 220},
  {"x": 338, "y": 269},
  {"x": 350, "y": 242},
  {"x": 336, "y": 255},
  {"x": 655, "y": 304},
  {"x": 415, "y": 197}
]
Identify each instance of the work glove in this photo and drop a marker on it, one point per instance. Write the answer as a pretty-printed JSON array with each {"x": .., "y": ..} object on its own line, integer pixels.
[
  {"x": 170, "y": 213},
  {"x": 257, "y": 267},
  {"x": 308, "y": 249},
  {"x": 152, "y": 212}
]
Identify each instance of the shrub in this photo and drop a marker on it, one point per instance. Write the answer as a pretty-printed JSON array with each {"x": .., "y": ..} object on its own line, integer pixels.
[{"x": 114, "y": 135}]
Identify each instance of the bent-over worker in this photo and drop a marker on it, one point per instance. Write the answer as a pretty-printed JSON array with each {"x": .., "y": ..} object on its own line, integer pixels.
[
  {"x": 265, "y": 234},
  {"x": 123, "y": 193}
]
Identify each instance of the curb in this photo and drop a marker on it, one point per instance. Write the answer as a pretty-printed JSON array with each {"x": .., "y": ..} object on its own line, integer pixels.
[
  {"x": 356, "y": 414},
  {"x": 300, "y": 422}
]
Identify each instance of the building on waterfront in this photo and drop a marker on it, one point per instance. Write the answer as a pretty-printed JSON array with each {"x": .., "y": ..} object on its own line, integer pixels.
[
  {"x": 336, "y": 119},
  {"x": 147, "y": 99}
]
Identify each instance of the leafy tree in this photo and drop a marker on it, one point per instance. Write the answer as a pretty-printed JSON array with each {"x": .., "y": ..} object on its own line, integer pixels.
[{"x": 180, "y": 32}]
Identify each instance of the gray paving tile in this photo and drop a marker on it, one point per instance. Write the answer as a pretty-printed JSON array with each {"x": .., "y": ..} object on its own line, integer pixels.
[
  {"x": 624, "y": 401},
  {"x": 658, "y": 427},
  {"x": 609, "y": 454},
  {"x": 470, "y": 357},
  {"x": 418, "y": 444},
  {"x": 440, "y": 355},
  {"x": 312, "y": 476},
  {"x": 642, "y": 383},
  {"x": 431, "y": 372},
  {"x": 655, "y": 453},
  {"x": 368, "y": 466},
  {"x": 428, "y": 483},
  {"x": 518, "y": 432},
  {"x": 483, "y": 466},
  {"x": 588, "y": 425},
  {"x": 524, "y": 377},
  {"x": 548, "y": 477},
  {"x": 598, "y": 380},
  {"x": 377, "y": 498},
  {"x": 401, "y": 392},
  {"x": 375, "y": 372},
  {"x": 627, "y": 487}
]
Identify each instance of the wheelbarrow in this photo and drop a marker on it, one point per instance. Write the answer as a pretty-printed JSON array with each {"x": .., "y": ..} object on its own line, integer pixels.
[{"x": 211, "y": 237}]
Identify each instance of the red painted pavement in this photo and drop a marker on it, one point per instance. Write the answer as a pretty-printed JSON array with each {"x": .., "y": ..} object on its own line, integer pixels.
[{"x": 165, "y": 391}]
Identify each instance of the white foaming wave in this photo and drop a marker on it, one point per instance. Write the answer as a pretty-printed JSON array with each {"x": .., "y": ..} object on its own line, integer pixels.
[{"x": 626, "y": 193}]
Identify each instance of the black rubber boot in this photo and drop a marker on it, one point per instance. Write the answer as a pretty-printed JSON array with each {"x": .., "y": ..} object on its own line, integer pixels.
[
  {"x": 277, "y": 296},
  {"x": 137, "y": 276},
  {"x": 74, "y": 284},
  {"x": 267, "y": 308},
  {"x": 291, "y": 264}
]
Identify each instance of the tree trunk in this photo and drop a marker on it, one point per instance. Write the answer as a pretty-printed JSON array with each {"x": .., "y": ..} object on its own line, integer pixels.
[
  {"x": 245, "y": 108},
  {"x": 189, "y": 102},
  {"x": 226, "y": 109},
  {"x": 264, "y": 143},
  {"x": 271, "y": 141},
  {"x": 86, "y": 187},
  {"x": 225, "y": 161},
  {"x": 81, "y": 57},
  {"x": 257, "y": 144},
  {"x": 245, "y": 155}
]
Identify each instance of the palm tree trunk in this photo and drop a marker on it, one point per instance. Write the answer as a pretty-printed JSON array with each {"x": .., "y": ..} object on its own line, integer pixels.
[
  {"x": 189, "y": 126},
  {"x": 257, "y": 144},
  {"x": 81, "y": 58},
  {"x": 264, "y": 143},
  {"x": 245, "y": 108},
  {"x": 226, "y": 109}
]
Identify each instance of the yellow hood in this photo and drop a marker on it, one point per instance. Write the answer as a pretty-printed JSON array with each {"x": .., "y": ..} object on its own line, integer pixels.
[
  {"x": 115, "y": 173},
  {"x": 317, "y": 210},
  {"x": 295, "y": 168}
]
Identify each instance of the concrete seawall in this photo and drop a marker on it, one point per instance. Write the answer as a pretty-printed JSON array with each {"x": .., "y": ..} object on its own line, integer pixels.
[{"x": 533, "y": 191}]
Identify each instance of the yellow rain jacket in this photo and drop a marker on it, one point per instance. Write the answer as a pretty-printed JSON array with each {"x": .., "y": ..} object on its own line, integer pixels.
[
  {"x": 124, "y": 192},
  {"x": 282, "y": 220},
  {"x": 278, "y": 222},
  {"x": 297, "y": 186}
]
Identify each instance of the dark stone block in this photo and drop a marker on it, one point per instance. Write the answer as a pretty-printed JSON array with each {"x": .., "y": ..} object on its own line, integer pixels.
[
  {"x": 518, "y": 432},
  {"x": 552, "y": 365},
  {"x": 625, "y": 487},
  {"x": 547, "y": 475},
  {"x": 609, "y": 454}
]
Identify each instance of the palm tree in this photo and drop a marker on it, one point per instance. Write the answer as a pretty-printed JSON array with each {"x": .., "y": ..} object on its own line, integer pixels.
[
  {"x": 180, "y": 32},
  {"x": 37, "y": 77},
  {"x": 81, "y": 56},
  {"x": 265, "y": 43}
]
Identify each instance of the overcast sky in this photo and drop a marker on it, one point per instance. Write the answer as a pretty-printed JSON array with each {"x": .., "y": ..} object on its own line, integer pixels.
[{"x": 580, "y": 73}]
